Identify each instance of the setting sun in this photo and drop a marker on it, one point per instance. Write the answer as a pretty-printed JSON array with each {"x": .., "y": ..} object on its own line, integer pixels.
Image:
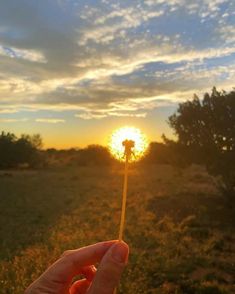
[{"x": 128, "y": 133}]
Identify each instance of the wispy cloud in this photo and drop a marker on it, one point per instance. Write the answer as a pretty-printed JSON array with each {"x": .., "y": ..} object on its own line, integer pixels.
[
  {"x": 50, "y": 120},
  {"x": 108, "y": 27},
  {"x": 8, "y": 111},
  {"x": 227, "y": 33},
  {"x": 30, "y": 55},
  {"x": 13, "y": 120},
  {"x": 87, "y": 115}
]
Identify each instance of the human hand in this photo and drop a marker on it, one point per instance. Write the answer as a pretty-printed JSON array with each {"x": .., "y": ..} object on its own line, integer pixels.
[{"x": 57, "y": 279}]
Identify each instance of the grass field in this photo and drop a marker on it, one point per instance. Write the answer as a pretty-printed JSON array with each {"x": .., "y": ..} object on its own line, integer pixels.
[{"x": 180, "y": 232}]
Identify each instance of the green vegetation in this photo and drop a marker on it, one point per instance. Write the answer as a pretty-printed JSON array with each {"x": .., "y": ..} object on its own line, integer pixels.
[
  {"x": 180, "y": 231},
  {"x": 205, "y": 132}
]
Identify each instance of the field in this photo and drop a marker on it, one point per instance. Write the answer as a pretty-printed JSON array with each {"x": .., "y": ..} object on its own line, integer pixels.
[{"x": 179, "y": 228}]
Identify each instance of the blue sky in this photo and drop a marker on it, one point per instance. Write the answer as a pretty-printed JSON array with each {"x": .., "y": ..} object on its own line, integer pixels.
[{"x": 75, "y": 70}]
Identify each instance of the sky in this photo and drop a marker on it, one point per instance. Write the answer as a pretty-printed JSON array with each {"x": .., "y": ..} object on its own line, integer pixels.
[{"x": 75, "y": 70}]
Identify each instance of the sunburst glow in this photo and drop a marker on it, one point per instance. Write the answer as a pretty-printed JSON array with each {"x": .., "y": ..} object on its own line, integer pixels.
[{"x": 128, "y": 133}]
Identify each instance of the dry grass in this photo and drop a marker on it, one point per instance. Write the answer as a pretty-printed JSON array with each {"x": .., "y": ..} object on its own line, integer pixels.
[{"x": 180, "y": 232}]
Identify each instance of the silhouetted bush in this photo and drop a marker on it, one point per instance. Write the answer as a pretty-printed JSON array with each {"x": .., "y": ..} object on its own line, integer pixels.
[
  {"x": 94, "y": 155},
  {"x": 158, "y": 153},
  {"x": 15, "y": 152},
  {"x": 206, "y": 135},
  {"x": 89, "y": 156}
]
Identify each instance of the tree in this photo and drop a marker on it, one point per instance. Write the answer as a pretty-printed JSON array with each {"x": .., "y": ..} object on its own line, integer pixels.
[
  {"x": 36, "y": 141},
  {"x": 7, "y": 143},
  {"x": 16, "y": 151},
  {"x": 205, "y": 130}
]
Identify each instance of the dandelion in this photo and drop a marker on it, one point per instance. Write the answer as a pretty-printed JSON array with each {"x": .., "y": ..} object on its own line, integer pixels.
[{"x": 127, "y": 144}]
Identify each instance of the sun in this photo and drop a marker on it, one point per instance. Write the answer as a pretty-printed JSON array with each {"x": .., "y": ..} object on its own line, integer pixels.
[{"x": 128, "y": 133}]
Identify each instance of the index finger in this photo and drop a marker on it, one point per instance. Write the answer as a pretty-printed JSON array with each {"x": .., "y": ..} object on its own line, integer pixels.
[{"x": 72, "y": 262}]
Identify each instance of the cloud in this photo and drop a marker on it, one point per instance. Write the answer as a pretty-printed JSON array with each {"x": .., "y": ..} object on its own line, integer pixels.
[
  {"x": 150, "y": 54},
  {"x": 112, "y": 58},
  {"x": 227, "y": 33},
  {"x": 30, "y": 55},
  {"x": 203, "y": 8},
  {"x": 13, "y": 120},
  {"x": 87, "y": 115},
  {"x": 102, "y": 30},
  {"x": 49, "y": 32},
  {"x": 8, "y": 111},
  {"x": 50, "y": 120}
]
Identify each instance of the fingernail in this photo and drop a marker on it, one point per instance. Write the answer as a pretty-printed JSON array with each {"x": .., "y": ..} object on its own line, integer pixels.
[{"x": 120, "y": 252}]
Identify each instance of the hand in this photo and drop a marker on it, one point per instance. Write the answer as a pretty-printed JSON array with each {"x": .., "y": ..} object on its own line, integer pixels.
[{"x": 112, "y": 256}]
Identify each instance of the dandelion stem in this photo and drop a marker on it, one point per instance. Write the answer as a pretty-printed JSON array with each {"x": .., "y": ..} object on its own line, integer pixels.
[{"x": 124, "y": 196}]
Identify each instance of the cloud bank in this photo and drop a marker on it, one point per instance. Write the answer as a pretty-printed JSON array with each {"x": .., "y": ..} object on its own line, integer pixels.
[{"x": 112, "y": 58}]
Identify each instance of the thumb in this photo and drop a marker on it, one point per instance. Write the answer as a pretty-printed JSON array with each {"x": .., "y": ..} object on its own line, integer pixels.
[{"x": 110, "y": 269}]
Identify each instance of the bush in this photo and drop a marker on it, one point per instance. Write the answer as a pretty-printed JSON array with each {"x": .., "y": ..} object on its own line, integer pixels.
[
  {"x": 15, "y": 152},
  {"x": 206, "y": 135}
]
